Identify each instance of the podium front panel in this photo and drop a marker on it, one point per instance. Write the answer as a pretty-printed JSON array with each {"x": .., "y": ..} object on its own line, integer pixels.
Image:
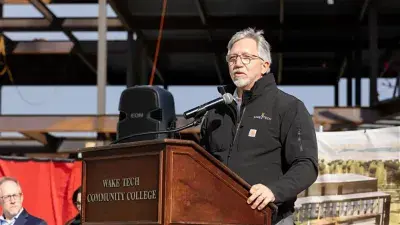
[
  {"x": 203, "y": 194},
  {"x": 123, "y": 188}
]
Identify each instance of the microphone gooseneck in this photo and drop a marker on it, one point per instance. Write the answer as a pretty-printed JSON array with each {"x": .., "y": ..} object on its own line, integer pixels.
[{"x": 202, "y": 109}]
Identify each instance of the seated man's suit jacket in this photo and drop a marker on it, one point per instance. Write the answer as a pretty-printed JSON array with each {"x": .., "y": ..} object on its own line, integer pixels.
[{"x": 26, "y": 219}]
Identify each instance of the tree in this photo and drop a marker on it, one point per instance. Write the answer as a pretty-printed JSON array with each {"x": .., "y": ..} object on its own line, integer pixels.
[
  {"x": 323, "y": 169},
  {"x": 391, "y": 167},
  {"x": 380, "y": 174},
  {"x": 396, "y": 178},
  {"x": 354, "y": 168},
  {"x": 361, "y": 170},
  {"x": 372, "y": 170},
  {"x": 338, "y": 168},
  {"x": 345, "y": 168}
]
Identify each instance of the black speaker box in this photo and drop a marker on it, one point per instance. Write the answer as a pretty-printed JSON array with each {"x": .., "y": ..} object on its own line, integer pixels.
[{"x": 145, "y": 109}]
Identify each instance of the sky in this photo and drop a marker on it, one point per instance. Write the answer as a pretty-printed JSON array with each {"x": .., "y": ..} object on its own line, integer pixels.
[{"x": 65, "y": 100}]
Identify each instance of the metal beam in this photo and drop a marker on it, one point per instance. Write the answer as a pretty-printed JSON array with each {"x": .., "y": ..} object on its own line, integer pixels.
[
  {"x": 20, "y": 1},
  {"x": 31, "y": 77},
  {"x": 357, "y": 70},
  {"x": 336, "y": 94},
  {"x": 373, "y": 126},
  {"x": 389, "y": 122},
  {"x": 67, "y": 123},
  {"x": 389, "y": 106},
  {"x": 49, "y": 141},
  {"x": 397, "y": 86},
  {"x": 373, "y": 54},
  {"x": 24, "y": 49},
  {"x": 49, "y": 1},
  {"x": 303, "y": 22},
  {"x": 38, "y": 136},
  {"x": 9, "y": 44},
  {"x": 21, "y": 150},
  {"x": 355, "y": 38},
  {"x": 292, "y": 22},
  {"x": 70, "y": 24},
  {"x": 201, "y": 9},
  {"x": 208, "y": 77},
  {"x": 57, "y": 123},
  {"x": 290, "y": 45},
  {"x": 129, "y": 23},
  {"x": 349, "y": 88},
  {"x": 55, "y": 22},
  {"x": 130, "y": 77},
  {"x": 192, "y": 46},
  {"x": 43, "y": 47},
  {"x": 345, "y": 115},
  {"x": 122, "y": 14},
  {"x": 102, "y": 58}
]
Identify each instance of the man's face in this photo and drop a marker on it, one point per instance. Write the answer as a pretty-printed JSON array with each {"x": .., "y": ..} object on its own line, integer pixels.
[
  {"x": 78, "y": 202},
  {"x": 245, "y": 65},
  {"x": 11, "y": 198}
]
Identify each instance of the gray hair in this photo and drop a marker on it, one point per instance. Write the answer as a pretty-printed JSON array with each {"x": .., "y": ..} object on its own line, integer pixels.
[
  {"x": 264, "y": 48},
  {"x": 5, "y": 179}
]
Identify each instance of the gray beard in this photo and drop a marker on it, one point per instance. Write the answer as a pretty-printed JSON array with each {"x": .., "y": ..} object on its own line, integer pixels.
[{"x": 240, "y": 82}]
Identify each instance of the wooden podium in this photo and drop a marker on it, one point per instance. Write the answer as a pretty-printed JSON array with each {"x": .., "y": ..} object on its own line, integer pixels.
[{"x": 162, "y": 182}]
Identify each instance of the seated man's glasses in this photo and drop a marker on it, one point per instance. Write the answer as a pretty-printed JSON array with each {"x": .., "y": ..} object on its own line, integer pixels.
[{"x": 7, "y": 198}]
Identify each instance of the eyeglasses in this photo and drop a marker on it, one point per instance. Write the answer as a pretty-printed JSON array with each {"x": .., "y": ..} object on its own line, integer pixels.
[
  {"x": 14, "y": 196},
  {"x": 246, "y": 58}
]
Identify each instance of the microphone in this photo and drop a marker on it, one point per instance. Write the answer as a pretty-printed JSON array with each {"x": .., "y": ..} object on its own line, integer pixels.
[{"x": 227, "y": 98}]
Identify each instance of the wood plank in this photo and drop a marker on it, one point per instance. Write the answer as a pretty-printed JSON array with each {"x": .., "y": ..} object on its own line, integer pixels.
[
  {"x": 43, "y": 47},
  {"x": 49, "y": 1},
  {"x": 72, "y": 24},
  {"x": 344, "y": 115},
  {"x": 21, "y": 1},
  {"x": 68, "y": 123}
]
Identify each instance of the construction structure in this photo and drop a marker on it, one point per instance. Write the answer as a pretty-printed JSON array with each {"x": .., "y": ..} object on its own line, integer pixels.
[
  {"x": 343, "y": 199},
  {"x": 180, "y": 42}
]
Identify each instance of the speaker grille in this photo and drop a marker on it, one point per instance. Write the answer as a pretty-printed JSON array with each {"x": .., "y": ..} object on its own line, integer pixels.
[{"x": 156, "y": 114}]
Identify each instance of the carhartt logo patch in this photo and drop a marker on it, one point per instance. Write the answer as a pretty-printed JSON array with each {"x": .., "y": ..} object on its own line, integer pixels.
[
  {"x": 262, "y": 117},
  {"x": 252, "y": 132}
]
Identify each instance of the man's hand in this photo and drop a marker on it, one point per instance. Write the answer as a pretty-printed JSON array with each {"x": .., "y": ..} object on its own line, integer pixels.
[{"x": 261, "y": 195}]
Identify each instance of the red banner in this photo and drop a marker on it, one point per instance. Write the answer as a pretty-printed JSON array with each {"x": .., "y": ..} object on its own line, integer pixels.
[{"x": 47, "y": 186}]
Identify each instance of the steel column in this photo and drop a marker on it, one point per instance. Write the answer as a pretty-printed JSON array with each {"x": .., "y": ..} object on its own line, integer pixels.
[
  {"x": 102, "y": 58},
  {"x": 357, "y": 72},
  {"x": 349, "y": 89},
  {"x": 373, "y": 53},
  {"x": 397, "y": 86},
  {"x": 349, "y": 74},
  {"x": 336, "y": 94},
  {"x": 130, "y": 77}
]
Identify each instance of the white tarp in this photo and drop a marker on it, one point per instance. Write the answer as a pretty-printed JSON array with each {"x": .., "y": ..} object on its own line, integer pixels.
[{"x": 374, "y": 144}]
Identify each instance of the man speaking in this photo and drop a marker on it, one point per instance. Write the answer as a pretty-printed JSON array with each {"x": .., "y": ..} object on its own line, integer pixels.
[{"x": 266, "y": 136}]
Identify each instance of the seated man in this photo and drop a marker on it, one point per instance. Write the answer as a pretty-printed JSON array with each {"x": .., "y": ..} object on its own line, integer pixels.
[
  {"x": 11, "y": 199},
  {"x": 76, "y": 198}
]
